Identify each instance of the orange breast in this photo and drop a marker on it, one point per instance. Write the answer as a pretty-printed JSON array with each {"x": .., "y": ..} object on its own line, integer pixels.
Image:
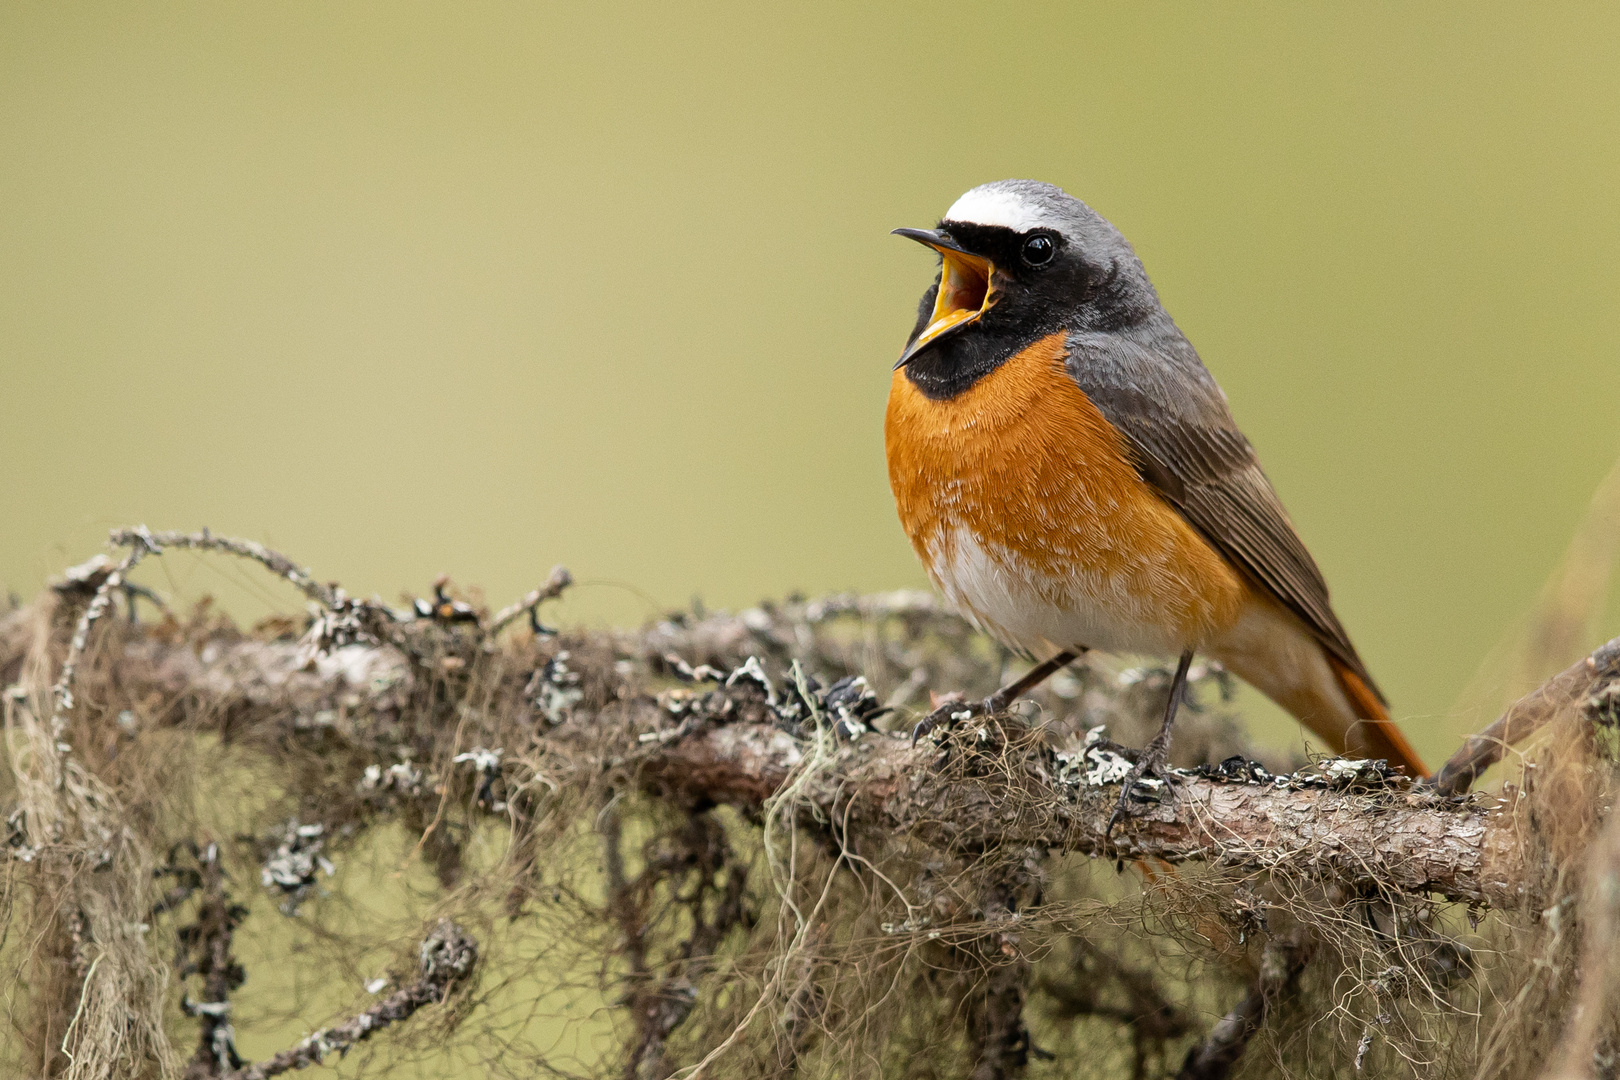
[{"x": 1021, "y": 500}]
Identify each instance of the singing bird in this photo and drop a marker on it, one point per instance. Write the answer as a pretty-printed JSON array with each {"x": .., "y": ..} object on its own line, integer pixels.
[{"x": 1071, "y": 476}]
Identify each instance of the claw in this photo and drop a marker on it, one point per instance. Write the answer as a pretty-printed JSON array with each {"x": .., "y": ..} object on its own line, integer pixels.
[
  {"x": 1150, "y": 763},
  {"x": 946, "y": 711},
  {"x": 945, "y": 716},
  {"x": 1156, "y": 754}
]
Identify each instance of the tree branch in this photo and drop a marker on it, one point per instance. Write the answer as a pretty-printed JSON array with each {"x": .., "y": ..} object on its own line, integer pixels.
[
  {"x": 558, "y": 580},
  {"x": 206, "y": 951},
  {"x": 1381, "y": 835},
  {"x": 388, "y": 697},
  {"x": 1342, "y": 821},
  {"x": 448, "y": 954},
  {"x": 1528, "y": 715},
  {"x": 1281, "y": 963}
]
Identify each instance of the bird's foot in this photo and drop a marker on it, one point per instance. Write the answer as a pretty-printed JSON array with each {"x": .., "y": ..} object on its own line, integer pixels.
[
  {"x": 954, "y": 708},
  {"x": 1155, "y": 755},
  {"x": 950, "y": 710},
  {"x": 1143, "y": 785}
]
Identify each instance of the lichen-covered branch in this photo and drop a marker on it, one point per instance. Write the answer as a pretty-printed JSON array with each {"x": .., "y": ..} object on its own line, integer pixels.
[
  {"x": 447, "y": 956},
  {"x": 1571, "y": 688},
  {"x": 1349, "y": 822},
  {"x": 1365, "y": 830},
  {"x": 556, "y": 582},
  {"x": 930, "y": 866},
  {"x": 143, "y": 539},
  {"x": 205, "y": 950}
]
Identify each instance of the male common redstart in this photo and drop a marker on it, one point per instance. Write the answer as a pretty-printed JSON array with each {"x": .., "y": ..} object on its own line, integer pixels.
[{"x": 1071, "y": 477}]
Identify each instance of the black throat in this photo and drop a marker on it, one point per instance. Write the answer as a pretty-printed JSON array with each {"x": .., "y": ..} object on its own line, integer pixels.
[
  {"x": 951, "y": 366},
  {"x": 948, "y": 368}
]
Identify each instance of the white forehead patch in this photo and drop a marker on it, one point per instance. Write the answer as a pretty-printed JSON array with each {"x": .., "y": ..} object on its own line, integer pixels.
[{"x": 996, "y": 206}]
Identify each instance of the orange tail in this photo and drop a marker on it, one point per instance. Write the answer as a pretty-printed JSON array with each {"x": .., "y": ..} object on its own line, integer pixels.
[{"x": 1376, "y": 736}]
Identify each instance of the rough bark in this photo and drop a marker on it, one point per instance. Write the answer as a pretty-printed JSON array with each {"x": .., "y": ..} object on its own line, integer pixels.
[
  {"x": 1367, "y": 830},
  {"x": 1393, "y": 838},
  {"x": 385, "y": 690}
]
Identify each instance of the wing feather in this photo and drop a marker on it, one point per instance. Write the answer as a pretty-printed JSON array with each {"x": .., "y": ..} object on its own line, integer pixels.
[{"x": 1188, "y": 446}]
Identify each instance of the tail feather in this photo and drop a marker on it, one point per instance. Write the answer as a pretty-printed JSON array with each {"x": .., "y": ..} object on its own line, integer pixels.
[
  {"x": 1376, "y": 735},
  {"x": 1274, "y": 651}
]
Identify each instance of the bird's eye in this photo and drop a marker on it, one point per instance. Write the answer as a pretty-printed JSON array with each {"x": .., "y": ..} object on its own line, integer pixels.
[{"x": 1039, "y": 249}]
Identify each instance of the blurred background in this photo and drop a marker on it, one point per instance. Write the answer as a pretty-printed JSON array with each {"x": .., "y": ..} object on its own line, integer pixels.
[{"x": 403, "y": 289}]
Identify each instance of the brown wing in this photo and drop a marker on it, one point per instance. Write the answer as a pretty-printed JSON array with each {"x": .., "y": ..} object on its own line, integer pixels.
[{"x": 1190, "y": 449}]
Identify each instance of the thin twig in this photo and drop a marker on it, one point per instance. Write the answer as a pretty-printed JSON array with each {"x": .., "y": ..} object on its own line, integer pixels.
[
  {"x": 1280, "y": 966},
  {"x": 996, "y": 1030},
  {"x": 448, "y": 955},
  {"x": 559, "y": 580},
  {"x": 209, "y": 942},
  {"x": 274, "y": 561},
  {"x": 1525, "y": 717},
  {"x": 140, "y": 542}
]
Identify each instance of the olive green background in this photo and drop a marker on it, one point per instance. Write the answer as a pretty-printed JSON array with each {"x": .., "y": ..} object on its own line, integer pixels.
[{"x": 408, "y": 288}]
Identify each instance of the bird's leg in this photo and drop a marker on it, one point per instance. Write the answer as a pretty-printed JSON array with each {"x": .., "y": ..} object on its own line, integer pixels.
[
  {"x": 999, "y": 700},
  {"x": 1031, "y": 679},
  {"x": 1157, "y": 752}
]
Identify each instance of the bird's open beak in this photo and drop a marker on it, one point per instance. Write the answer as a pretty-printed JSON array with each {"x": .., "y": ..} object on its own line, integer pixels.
[{"x": 965, "y": 291}]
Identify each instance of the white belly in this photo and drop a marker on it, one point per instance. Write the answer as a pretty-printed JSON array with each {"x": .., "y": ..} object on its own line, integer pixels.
[{"x": 1040, "y": 614}]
